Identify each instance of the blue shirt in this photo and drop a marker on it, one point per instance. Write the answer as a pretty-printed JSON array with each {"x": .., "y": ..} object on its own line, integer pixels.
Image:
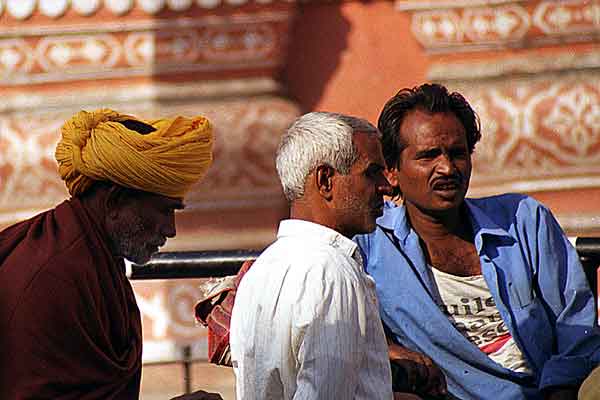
[{"x": 534, "y": 276}]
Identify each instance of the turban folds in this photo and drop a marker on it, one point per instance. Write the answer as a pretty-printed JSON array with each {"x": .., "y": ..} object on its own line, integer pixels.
[{"x": 95, "y": 146}]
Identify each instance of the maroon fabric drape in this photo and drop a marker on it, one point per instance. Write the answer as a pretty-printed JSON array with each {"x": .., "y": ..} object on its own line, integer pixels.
[{"x": 69, "y": 324}]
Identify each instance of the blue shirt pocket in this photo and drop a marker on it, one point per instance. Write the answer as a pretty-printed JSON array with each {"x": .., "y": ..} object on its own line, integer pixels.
[{"x": 532, "y": 331}]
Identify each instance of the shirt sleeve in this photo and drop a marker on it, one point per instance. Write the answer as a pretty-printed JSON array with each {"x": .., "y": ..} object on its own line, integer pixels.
[
  {"x": 569, "y": 302},
  {"x": 329, "y": 333}
]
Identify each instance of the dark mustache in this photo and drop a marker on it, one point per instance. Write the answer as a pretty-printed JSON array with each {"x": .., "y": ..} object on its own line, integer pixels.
[{"x": 447, "y": 180}]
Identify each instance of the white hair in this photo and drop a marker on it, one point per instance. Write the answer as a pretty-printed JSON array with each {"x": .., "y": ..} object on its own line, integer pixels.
[{"x": 314, "y": 139}]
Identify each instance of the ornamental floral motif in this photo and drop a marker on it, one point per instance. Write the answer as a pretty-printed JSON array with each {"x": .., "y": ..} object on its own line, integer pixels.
[
  {"x": 555, "y": 18},
  {"x": 528, "y": 157},
  {"x": 15, "y": 57},
  {"x": 28, "y": 171},
  {"x": 481, "y": 27},
  {"x": 60, "y": 53},
  {"x": 494, "y": 24},
  {"x": 224, "y": 44},
  {"x": 536, "y": 128},
  {"x": 245, "y": 162},
  {"x": 437, "y": 28},
  {"x": 163, "y": 47},
  {"x": 575, "y": 119},
  {"x": 485, "y": 155}
]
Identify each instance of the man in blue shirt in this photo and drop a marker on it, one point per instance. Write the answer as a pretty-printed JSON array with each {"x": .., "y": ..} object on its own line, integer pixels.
[{"x": 489, "y": 290}]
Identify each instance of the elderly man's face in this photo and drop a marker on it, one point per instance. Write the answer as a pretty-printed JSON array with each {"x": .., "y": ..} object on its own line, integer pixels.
[
  {"x": 358, "y": 196},
  {"x": 435, "y": 166},
  {"x": 142, "y": 224}
]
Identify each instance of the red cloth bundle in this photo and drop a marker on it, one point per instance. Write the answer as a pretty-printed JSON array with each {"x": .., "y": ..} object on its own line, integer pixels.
[{"x": 214, "y": 311}]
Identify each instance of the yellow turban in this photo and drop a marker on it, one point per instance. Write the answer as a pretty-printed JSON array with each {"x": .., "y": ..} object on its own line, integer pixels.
[{"x": 167, "y": 161}]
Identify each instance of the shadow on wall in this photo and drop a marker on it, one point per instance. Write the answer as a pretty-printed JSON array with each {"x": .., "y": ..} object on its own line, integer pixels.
[{"x": 318, "y": 40}]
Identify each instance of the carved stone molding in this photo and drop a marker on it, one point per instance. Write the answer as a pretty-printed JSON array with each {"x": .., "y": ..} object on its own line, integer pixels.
[
  {"x": 539, "y": 133},
  {"x": 414, "y": 5},
  {"x": 147, "y": 92},
  {"x": 24, "y": 9},
  {"x": 442, "y": 27},
  {"x": 508, "y": 66},
  {"x": 143, "y": 48}
]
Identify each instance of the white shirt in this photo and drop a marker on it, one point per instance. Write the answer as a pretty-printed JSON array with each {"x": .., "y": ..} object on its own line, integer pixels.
[{"x": 305, "y": 324}]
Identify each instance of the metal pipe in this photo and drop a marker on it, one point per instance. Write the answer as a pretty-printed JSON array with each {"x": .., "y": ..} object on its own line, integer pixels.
[
  {"x": 588, "y": 247},
  {"x": 208, "y": 264},
  {"x": 193, "y": 264}
]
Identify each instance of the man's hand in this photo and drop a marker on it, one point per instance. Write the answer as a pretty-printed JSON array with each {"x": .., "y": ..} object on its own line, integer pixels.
[
  {"x": 199, "y": 395},
  {"x": 424, "y": 377}
]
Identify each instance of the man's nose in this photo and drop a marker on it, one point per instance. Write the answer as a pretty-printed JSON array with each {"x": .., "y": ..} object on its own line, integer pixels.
[{"x": 445, "y": 165}]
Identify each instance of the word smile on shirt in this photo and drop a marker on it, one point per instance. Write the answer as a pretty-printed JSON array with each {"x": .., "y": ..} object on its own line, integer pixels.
[{"x": 477, "y": 319}]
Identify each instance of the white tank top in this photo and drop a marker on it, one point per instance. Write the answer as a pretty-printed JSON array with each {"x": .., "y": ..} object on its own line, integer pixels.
[{"x": 469, "y": 305}]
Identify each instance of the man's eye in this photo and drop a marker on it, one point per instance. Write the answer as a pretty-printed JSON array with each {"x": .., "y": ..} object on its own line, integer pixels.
[{"x": 426, "y": 156}]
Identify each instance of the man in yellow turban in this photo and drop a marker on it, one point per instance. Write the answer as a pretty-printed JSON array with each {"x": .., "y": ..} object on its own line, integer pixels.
[{"x": 70, "y": 327}]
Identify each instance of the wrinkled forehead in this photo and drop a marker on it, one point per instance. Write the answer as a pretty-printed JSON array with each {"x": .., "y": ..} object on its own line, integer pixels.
[{"x": 426, "y": 128}]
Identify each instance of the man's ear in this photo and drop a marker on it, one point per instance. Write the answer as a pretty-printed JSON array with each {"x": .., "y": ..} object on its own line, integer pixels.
[
  {"x": 392, "y": 176},
  {"x": 324, "y": 180}
]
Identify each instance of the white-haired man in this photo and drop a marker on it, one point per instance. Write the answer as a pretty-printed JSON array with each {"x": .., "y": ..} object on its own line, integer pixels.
[{"x": 305, "y": 322}]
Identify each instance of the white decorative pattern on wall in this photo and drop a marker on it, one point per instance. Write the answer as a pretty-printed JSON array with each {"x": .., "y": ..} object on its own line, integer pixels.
[
  {"x": 518, "y": 24},
  {"x": 28, "y": 172},
  {"x": 537, "y": 133},
  {"x": 202, "y": 45},
  {"x": 23, "y": 9},
  {"x": 16, "y": 57}
]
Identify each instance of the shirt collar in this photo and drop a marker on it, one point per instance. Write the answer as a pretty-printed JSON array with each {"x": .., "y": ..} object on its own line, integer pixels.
[
  {"x": 484, "y": 225},
  {"x": 394, "y": 218},
  {"x": 315, "y": 232}
]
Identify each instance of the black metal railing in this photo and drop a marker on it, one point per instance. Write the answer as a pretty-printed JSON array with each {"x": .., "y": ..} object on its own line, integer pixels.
[
  {"x": 588, "y": 249},
  {"x": 193, "y": 264},
  {"x": 209, "y": 264}
]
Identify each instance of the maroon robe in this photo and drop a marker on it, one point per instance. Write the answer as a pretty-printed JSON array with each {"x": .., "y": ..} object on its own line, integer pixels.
[{"x": 70, "y": 327}]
